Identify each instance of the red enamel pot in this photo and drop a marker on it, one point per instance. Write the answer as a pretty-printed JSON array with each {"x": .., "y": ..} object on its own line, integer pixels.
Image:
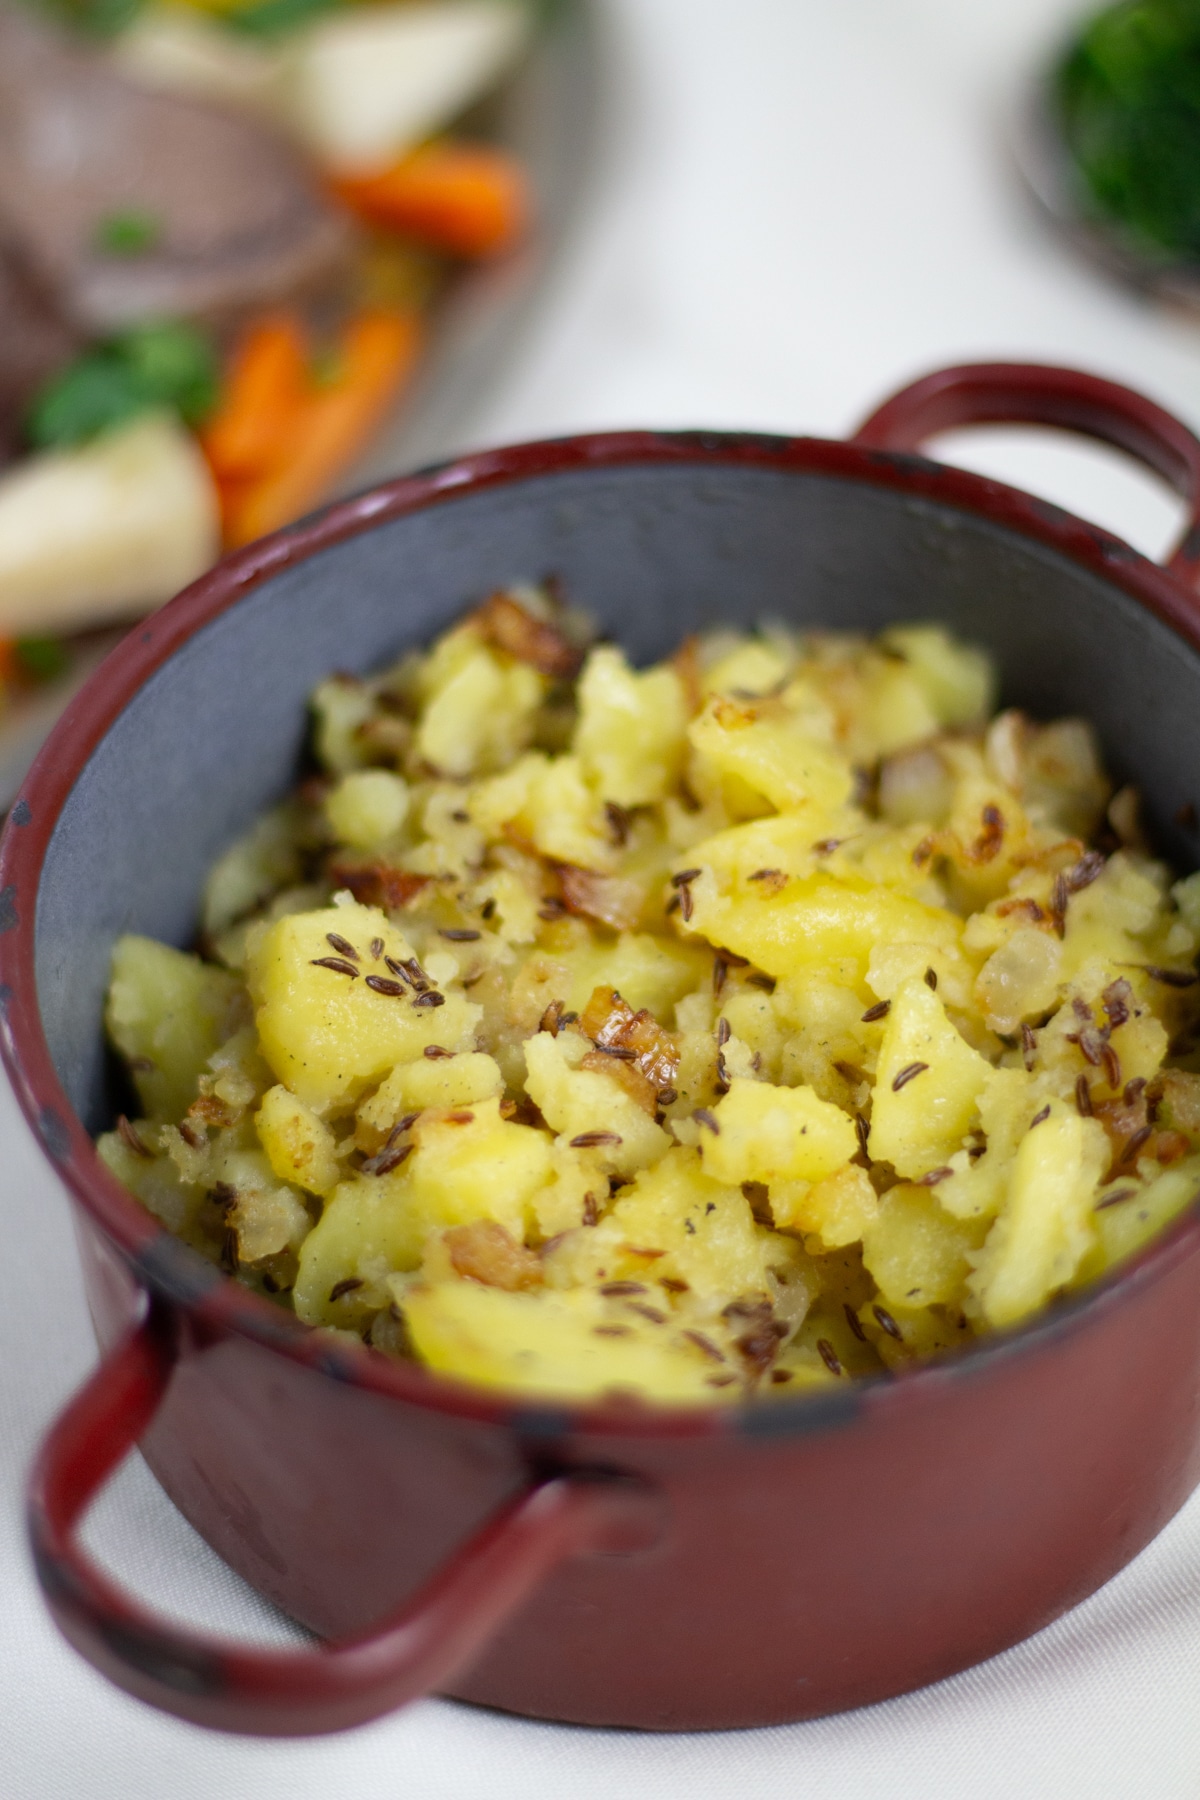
[{"x": 612, "y": 1564}]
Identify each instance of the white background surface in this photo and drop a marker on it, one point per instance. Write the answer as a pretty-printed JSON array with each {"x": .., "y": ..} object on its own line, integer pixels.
[{"x": 805, "y": 203}]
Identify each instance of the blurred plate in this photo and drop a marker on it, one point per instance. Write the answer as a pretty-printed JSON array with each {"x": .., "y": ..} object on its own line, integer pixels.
[{"x": 550, "y": 112}]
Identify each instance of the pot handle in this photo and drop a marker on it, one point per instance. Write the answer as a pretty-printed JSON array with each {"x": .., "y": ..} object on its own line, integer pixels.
[
  {"x": 1034, "y": 394},
  {"x": 291, "y": 1693}
]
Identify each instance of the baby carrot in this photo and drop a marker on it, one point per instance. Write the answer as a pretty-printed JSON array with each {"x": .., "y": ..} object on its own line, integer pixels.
[
  {"x": 376, "y": 353},
  {"x": 262, "y": 394},
  {"x": 469, "y": 199}
]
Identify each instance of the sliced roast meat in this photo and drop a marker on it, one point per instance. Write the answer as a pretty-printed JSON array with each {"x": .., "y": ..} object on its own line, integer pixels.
[
  {"x": 35, "y": 343},
  {"x": 228, "y": 215}
]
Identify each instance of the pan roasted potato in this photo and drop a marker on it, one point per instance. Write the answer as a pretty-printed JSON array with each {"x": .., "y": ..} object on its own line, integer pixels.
[{"x": 770, "y": 1017}]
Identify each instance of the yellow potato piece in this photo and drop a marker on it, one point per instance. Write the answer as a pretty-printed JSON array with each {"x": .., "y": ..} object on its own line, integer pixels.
[
  {"x": 631, "y": 736},
  {"x": 466, "y": 1165},
  {"x": 442, "y": 1081},
  {"x": 705, "y": 1228},
  {"x": 367, "y": 807},
  {"x": 773, "y": 755},
  {"x": 837, "y": 1211},
  {"x": 818, "y": 924},
  {"x": 927, "y": 1086},
  {"x": 328, "y": 1036},
  {"x": 300, "y": 1147},
  {"x": 770, "y": 1133},
  {"x": 589, "y": 1105},
  {"x": 917, "y": 1253},
  {"x": 1047, "y": 1225},
  {"x": 167, "y": 1013},
  {"x": 554, "y": 1344}
]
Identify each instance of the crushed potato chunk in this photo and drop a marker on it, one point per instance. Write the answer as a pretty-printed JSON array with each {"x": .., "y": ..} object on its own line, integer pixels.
[{"x": 754, "y": 1022}]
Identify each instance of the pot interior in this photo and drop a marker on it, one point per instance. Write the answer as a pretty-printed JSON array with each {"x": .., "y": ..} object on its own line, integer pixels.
[{"x": 653, "y": 551}]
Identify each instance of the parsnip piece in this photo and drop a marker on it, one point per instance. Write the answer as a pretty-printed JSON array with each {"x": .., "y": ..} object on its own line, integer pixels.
[
  {"x": 106, "y": 531},
  {"x": 362, "y": 86},
  {"x": 179, "y": 51}
]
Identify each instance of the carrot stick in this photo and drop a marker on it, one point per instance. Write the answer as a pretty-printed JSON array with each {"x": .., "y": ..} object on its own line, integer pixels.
[
  {"x": 469, "y": 199},
  {"x": 263, "y": 393},
  {"x": 377, "y": 352}
]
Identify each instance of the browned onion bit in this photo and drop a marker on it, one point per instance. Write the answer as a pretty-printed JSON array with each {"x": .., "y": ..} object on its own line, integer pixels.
[
  {"x": 342, "y": 945},
  {"x": 907, "y": 1074}
]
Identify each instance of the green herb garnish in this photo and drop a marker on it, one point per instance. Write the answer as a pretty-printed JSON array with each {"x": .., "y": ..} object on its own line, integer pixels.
[
  {"x": 1128, "y": 98},
  {"x": 42, "y": 658},
  {"x": 273, "y": 18},
  {"x": 91, "y": 18},
  {"x": 128, "y": 233},
  {"x": 157, "y": 365}
]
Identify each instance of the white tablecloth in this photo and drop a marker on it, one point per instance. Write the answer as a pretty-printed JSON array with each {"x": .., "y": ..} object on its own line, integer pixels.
[{"x": 804, "y": 203}]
